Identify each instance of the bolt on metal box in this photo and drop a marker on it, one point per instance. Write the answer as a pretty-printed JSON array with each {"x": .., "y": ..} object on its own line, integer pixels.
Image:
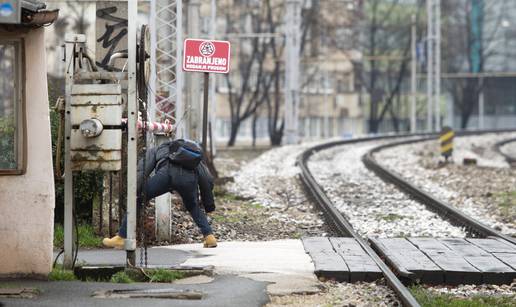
[{"x": 96, "y": 136}]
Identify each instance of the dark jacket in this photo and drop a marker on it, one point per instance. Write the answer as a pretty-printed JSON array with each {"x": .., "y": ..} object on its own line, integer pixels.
[{"x": 157, "y": 157}]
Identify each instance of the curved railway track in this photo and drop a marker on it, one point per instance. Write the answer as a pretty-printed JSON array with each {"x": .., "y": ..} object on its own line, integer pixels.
[
  {"x": 344, "y": 228},
  {"x": 509, "y": 158}
]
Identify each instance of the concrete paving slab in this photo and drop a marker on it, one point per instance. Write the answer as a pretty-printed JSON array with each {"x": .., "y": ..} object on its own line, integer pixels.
[
  {"x": 194, "y": 280},
  {"x": 284, "y": 263},
  {"x": 222, "y": 291},
  {"x": 156, "y": 256}
]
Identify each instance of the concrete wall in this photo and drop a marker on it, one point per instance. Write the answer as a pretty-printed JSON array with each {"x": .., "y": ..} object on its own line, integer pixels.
[{"x": 27, "y": 201}]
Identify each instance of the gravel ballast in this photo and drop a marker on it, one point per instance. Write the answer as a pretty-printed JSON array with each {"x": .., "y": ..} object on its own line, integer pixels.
[
  {"x": 485, "y": 191},
  {"x": 373, "y": 207},
  {"x": 343, "y": 294}
]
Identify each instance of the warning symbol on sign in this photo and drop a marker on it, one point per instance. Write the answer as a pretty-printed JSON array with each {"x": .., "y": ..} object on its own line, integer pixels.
[{"x": 207, "y": 48}]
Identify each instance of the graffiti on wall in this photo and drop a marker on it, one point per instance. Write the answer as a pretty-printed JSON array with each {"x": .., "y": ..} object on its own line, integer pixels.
[{"x": 111, "y": 28}]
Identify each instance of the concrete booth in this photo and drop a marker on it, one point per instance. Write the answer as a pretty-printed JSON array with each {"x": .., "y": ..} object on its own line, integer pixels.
[{"x": 26, "y": 174}]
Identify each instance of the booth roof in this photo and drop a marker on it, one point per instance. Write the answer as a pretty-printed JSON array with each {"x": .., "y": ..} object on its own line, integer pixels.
[{"x": 35, "y": 14}]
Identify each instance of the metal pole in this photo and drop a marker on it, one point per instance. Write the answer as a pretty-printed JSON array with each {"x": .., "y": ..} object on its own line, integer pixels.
[
  {"x": 132, "y": 133},
  {"x": 327, "y": 103},
  {"x": 450, "y": 112},
  {"x": 179, "y": 70},
  {"x": 205, "y": 113},
  {"x": 213, "y": 101},
  {"x": 293, "y": 21},
  {"x": 481, "y": 110},
  {"x": 193, "y": 106},
  {"x": 429, "y": 65},
  {"x": 437, "y": 63},
  {"x": 413, "y": 81},
  {"x": 152, "y": 77},
  {"x": 68, "y": 174}
]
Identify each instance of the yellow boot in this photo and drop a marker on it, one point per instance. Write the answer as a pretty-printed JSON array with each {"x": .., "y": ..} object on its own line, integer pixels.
[
  {"x": 116, "y": 242},
  {"x": 210, "y": 241}
]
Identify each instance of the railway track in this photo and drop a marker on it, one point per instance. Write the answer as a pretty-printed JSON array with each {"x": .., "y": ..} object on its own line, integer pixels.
[
  {"x": 509, "y": 158},
  {"x": 344, "y": 228},
  {"x": 445, "y": 210}
]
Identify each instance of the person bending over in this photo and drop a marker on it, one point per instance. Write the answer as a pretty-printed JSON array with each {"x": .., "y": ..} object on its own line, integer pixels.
[{"x": 169, "y": 176}]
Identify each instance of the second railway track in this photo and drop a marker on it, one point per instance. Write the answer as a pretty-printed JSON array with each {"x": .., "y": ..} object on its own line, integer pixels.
[{"x": 345, "y": 228}]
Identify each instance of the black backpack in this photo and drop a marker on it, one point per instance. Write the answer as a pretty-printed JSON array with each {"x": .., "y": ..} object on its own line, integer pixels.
[{"x": 185, "y": 153}]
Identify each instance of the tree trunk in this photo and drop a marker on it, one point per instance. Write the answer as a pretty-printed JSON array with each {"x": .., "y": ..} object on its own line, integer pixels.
[
  {"x": 470, "y": 96},
  {"x": 276, "y": 137},
  {"x": 233, "y": 133},
  {"x": 255, "y": 117},
  {"x": 373, "y": 125}
]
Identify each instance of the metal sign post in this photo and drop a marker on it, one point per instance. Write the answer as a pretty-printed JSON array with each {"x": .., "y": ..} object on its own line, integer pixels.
[{"x": 205, "y": 112}]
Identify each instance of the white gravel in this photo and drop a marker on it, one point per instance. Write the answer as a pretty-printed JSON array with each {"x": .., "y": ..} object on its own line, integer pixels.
[
  {"x": 418, "y": 164},
  {"x": 481, "y": 149},
  {"x": 471, "y": 290},
  {"x": 373, "y": 207},
  {"x": 361, "y": 294},
  {"x": 509, "y": 149},
  {"x": 271, "y": 180}
]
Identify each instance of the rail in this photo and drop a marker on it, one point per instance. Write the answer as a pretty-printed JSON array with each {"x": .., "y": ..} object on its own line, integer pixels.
[{"x": 341, "y": 225}]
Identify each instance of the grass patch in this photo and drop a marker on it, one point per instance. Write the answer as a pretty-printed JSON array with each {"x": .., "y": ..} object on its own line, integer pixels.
[
  {"x": 507, "y": 200},
  {"x": 121, "y": 278},
  {"x": 235, "y": 214},
  {"x": 230, "y": 197},
  {"x": 58, "y": 235},
  {"x": 162, "y": 275},
  {"x": 220, "y": 192},
  {"x": 87, "y": 236},
  {"x": 226, "y": 218},
  {"x": 60, "y": 274},
  {"x": 391, "y": 217},
  {"x": 428, "y": 299}
]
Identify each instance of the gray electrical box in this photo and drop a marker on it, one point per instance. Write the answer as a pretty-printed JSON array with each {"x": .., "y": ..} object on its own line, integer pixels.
[
  {"x": 96, "y": 136},
  {"x": 10, "y": 12}
]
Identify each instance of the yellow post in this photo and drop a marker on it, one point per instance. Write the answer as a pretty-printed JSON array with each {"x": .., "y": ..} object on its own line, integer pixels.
[{"x": 446, "y": 140}]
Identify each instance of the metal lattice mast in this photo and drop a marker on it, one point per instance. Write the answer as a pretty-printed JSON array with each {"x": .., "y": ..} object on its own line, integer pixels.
[
  {"x": 433, "y": 63},
  {"x": 166, "y": 103},
  {"x": 293, "y": 26},
  {"x": 166, "y": 82}
]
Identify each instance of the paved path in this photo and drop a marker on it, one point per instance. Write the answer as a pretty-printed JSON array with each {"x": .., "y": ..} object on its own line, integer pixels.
[
  {"x": 245, "y": 274},
  {"x": 283, "y": 263},
  {"x": 222, "y": 291}
]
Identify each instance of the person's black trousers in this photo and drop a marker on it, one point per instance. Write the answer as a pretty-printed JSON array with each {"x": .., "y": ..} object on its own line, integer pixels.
[{"x": 174, "y": 178}]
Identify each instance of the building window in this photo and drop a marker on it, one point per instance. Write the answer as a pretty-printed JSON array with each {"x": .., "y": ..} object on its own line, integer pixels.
[{"x": 11, "y": 108}]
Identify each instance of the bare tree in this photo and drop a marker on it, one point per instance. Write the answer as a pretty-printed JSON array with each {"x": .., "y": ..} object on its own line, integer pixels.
[
  {"x": 386, "y": 44},
  {"x": 472, "y": 31}
]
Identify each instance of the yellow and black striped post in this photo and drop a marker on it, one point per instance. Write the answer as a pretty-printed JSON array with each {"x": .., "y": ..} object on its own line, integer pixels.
[{"x": 446, "y": 139}]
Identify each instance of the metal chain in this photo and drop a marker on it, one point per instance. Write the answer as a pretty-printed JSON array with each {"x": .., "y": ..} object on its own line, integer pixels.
[{"x": 142, "y": 98}]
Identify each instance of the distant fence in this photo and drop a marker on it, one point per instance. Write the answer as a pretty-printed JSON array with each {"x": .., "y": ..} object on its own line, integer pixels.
[{"x": 318, "y": 127}]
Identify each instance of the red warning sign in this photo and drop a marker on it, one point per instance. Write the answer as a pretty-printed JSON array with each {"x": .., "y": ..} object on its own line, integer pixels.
[{"x": 206, "y": 56}]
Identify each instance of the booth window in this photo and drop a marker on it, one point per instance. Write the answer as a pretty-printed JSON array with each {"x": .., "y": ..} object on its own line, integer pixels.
[{"x": 11, "y": 108}]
